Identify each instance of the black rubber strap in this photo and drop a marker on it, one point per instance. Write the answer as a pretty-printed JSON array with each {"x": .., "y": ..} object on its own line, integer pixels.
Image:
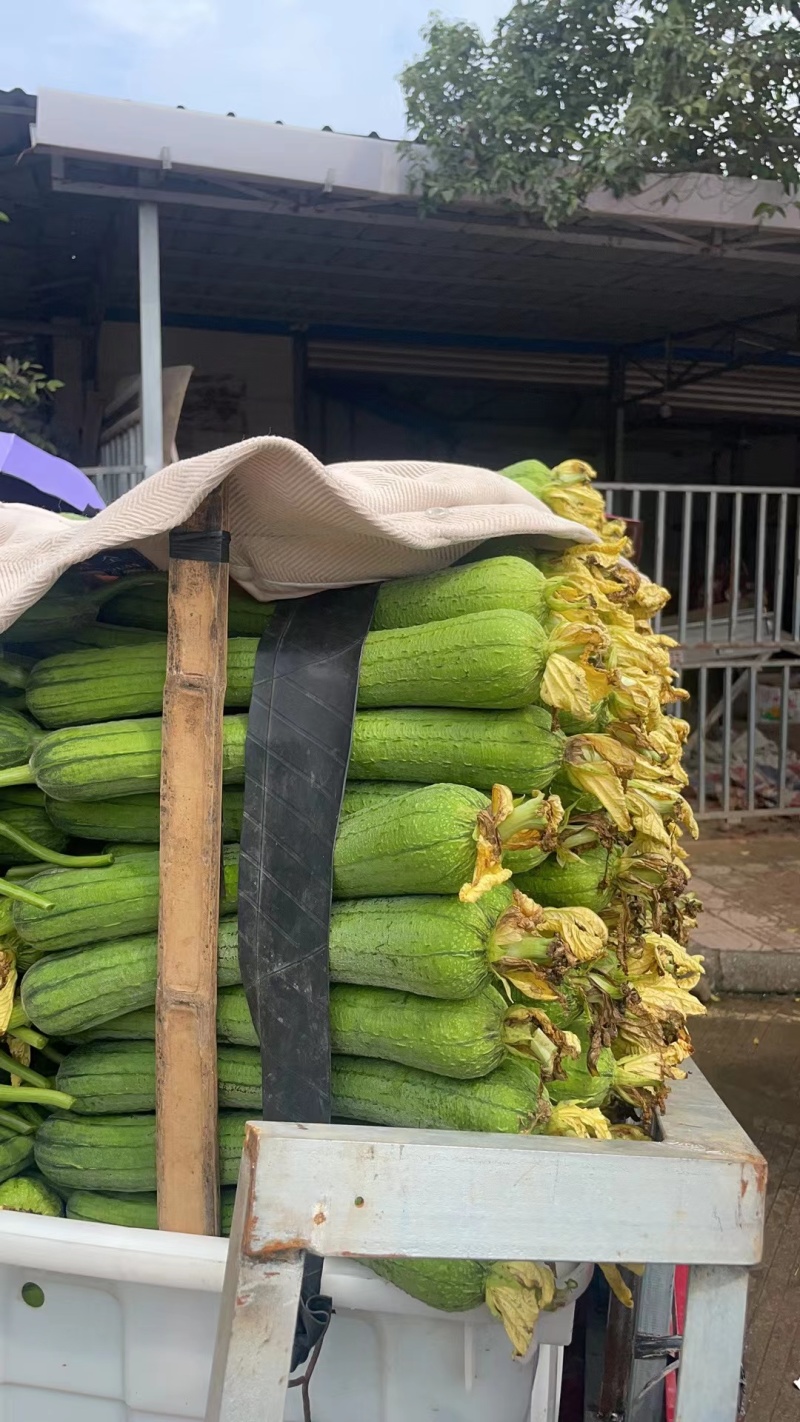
[
  {"x": 298, "y": 745},
  {"x": 213, "y": 546}
]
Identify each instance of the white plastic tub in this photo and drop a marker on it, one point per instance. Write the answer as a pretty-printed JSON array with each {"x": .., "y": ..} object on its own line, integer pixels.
[{"x": 126, "y": 1330}]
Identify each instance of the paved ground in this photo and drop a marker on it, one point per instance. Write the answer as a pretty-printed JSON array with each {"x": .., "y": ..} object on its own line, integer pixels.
[
  {"x": 749, "y": 1048},
  {"x": 748, "y": 878}
]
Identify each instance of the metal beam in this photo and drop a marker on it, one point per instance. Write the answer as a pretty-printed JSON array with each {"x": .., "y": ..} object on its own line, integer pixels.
[
  {"x": 150, "y": 338},
  {"x": 334, "y": 212}
]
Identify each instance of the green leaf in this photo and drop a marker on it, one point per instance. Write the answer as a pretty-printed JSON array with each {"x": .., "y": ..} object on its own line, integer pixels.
[{"x": 564, "y": 95}]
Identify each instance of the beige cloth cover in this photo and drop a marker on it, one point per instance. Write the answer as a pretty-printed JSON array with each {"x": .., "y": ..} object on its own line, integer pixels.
[{"x": 297, "y": 526}]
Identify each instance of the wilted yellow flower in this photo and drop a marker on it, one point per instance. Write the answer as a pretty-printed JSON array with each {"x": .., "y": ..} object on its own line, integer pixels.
[{"x": 586, "y": 1122}]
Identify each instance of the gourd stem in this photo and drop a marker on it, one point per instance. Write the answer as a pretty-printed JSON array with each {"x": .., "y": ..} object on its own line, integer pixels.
[
  {"x": 37, "y": 1096},
  {"x": 25, "y": 1073},
  {"x": 13, "y": 675},
  {"x": 52, "y": 856},
  {"x": 531, "y": 814},
  {"x": 23, "y": 895},
  {"x": 30, "y": 1037},
  {"x": 17, "y": 775},
  {"x": 107, "y": 592},
  {"x": 32, "y": 1114},
  {"x": 15, "y": 1123}
]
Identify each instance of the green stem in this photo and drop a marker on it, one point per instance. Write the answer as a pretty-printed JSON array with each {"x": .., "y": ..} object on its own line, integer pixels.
[
  {"x": 52, "y": 1054},
  {"x": 533, "y": 949},
  {"x": 32, "y": 1114},
  {"x": 15, "y": 1123},
  {"x": 533, "y": 1043},
  {"x": 605, "y": 985},
  {"x": 25, "y": 1073},
  {"x": 52, "y": 856},
  {"x": 17, "y": 775},
  {"x": 13, "y": 675},
  {"x": 31, "y": 1037},
  {"x": 19, "y": 872},
  {"x": 528, "y": 815},
  {"x": 37, "y": 1096},
  {"x": 108, "y": 591},
  {"x": 23, "y": 895}
]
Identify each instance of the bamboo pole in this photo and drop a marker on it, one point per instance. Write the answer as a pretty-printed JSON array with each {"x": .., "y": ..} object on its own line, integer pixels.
[{"x": 191, "y": 835}]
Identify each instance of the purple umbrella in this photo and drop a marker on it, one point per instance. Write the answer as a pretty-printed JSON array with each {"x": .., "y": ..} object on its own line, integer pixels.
[{"x": 30, "y": 476}]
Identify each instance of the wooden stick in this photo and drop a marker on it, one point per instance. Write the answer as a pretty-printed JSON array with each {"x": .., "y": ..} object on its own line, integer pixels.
[{"x": 191, "y": 836}]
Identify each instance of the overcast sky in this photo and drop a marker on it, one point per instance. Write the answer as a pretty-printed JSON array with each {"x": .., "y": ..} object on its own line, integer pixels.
[{"x": 307, "y": 62}]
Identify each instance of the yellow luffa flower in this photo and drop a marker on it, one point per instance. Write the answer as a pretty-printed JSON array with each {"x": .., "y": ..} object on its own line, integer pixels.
[
  {"x": 585, "y": 1122},
  {"x": 8, "y": 983},
  {"x": 659, "y": 953}
]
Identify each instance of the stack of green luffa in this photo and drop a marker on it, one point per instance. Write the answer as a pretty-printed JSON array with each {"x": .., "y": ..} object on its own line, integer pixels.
[{"x": 510, "y": 917}]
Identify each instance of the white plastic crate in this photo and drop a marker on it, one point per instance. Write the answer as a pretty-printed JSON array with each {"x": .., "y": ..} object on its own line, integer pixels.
[{"x": 127, "y": 1326}]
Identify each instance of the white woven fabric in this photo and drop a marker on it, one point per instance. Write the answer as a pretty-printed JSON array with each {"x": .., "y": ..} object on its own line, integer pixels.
[{"x": 296, "y": 526}]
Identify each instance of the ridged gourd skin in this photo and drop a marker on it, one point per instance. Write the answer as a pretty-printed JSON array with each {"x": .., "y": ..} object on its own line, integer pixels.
[
  {"x": 589, "y": 883},
  {"x": 115, "y": 683},
  {"x": 458, "y": 1039},
  {"x": 118, "y": 1153},
  {"x": 95, "y": 634},
  {"x": 386, "y": 1094},
  {"x": 432, "y": 945},
  {"x": 491, "y": 660},
  {"x": 133, "y": 819},
  {"x": 96, "y": 905},
  {"x": 30, "y": 819},
  {"x": 481, "y": 660},
  {"x": 15, "y": 1154},
  {"x": 422, "y": 843},
  {"x": 79, "y": 990},
  {"x": 479, "y": 748},
  {"x": 61, "y": 609},
  {"x": 143, "y": 603},
  {"x": 453, "y": 1285},
  {"x": 133, "y": 1211},
  {"x": 119, "y": 1078},
  {"x": 29, "y": 1196},
  {"x": 363, "y": 794},
  {"x": 18, "y": 736},
  {"x": 234, "y": 1023},
  {"x": 496, "y": 583},
  {"x": 119, "y": 758}
]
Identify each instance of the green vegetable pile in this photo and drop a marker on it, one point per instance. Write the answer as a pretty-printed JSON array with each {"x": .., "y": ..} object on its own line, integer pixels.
[{"x": 508, "y": 939}]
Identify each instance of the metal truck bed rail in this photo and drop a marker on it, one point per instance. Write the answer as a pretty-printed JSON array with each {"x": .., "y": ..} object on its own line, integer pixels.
[{"x": 695, "y": 1196}]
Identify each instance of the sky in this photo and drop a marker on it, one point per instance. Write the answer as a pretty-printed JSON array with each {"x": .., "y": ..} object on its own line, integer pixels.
[{"x": 308, "y": 62}]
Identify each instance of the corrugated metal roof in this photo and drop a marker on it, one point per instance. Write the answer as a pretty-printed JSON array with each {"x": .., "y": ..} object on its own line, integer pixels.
[
  {"x": 757, "y": 391},
  {"x": 277, "y": 256}
]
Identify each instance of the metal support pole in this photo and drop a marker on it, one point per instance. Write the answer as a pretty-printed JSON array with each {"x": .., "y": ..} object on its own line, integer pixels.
[
  {"x": 653, "y": 1313},
  {"x": 150, "y": 338},
  {"x": 710, "y": 1370},
  {"x": 615, "y": 434}
]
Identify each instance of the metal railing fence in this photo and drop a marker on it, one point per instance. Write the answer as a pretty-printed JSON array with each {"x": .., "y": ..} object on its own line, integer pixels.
[{"x": 730, "y": 557}]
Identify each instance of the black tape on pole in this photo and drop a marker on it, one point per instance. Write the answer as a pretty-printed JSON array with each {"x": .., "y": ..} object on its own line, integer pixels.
[
  {"x": 212, "y": 546},
  {"x": 298, "y": 744}
]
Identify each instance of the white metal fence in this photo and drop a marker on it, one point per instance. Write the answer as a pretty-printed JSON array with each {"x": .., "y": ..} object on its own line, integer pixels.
[{"x": 730, "y": 557}]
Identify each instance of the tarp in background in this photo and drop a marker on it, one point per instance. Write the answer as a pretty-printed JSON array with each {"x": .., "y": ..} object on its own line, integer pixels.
[{"x": 297, "y": 526}]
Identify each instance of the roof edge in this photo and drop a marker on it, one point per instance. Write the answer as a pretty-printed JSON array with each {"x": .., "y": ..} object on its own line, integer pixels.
[{"x": 153, "y": 135}]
